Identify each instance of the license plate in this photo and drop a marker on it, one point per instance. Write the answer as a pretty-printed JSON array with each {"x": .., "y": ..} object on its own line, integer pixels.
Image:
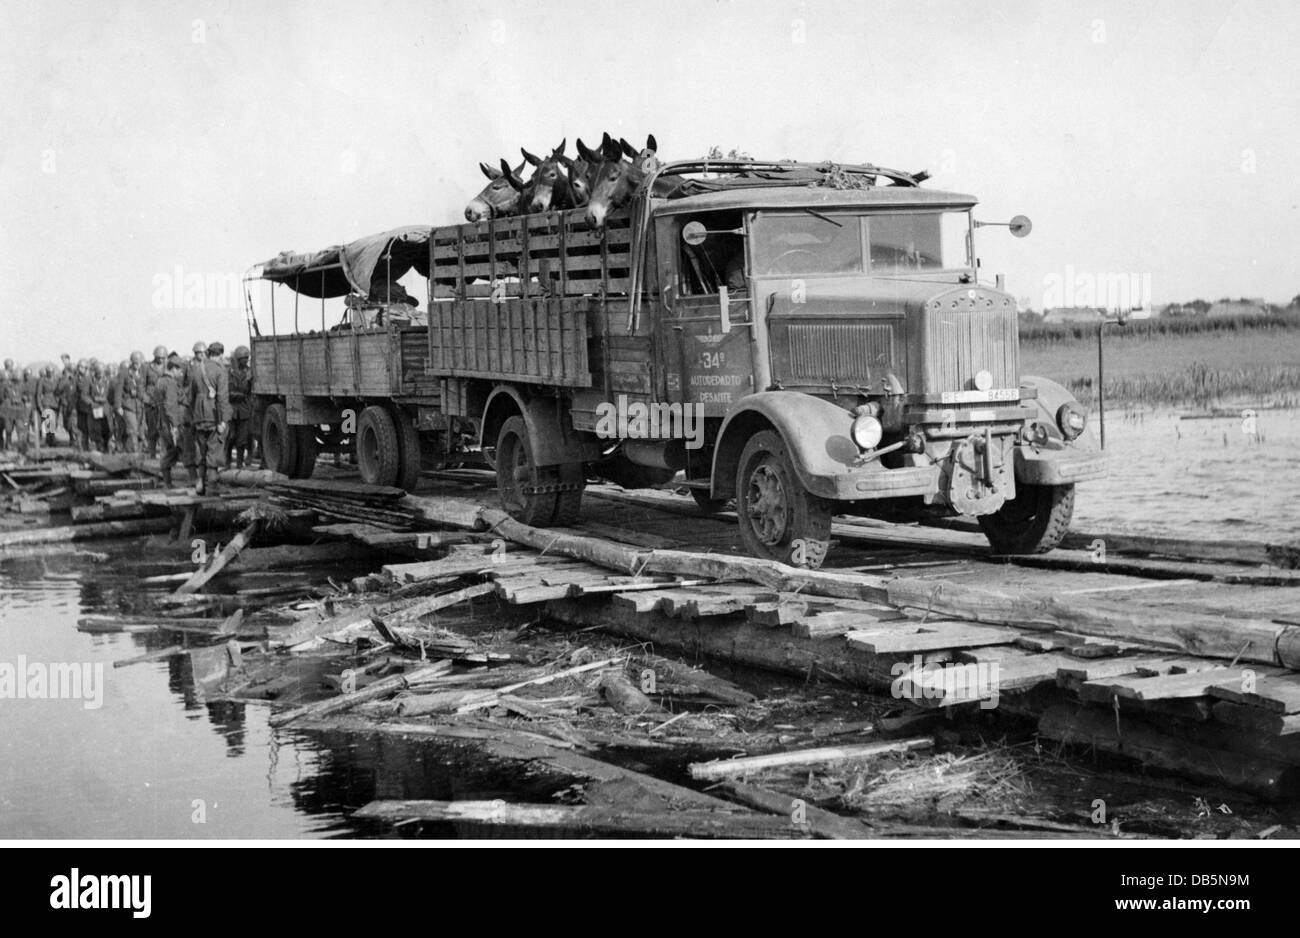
[{"x": 979, "y": 397}]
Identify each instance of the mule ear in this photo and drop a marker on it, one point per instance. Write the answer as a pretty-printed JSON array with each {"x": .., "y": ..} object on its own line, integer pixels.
[
  {"x": 559, "y": 151},
  {"x": 651, "y": 144},
  {"x": 585, "y": 152},
  {"x": 511, "y": 178},
  {"x": 489, "y": 172},
  {"x": 564, "y": 160},
  {"x": 610, "y": 150},
  {"x": 628, "y": 150},
  {"x": 529, "y": 158},
  {"x": 605, "y": 139}
]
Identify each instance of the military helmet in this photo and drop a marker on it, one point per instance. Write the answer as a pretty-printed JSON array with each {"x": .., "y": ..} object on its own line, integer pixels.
[
  {"x": 9, "y": 364},
  {"x": 160, "y": 351},
  {"x": 83, "y": 363},
  {"x": 200, "y": 348},
  {"x": 216, "y": 348},
  {"x": 137, "y": 358},
  {"x": 241, "y": 352}
]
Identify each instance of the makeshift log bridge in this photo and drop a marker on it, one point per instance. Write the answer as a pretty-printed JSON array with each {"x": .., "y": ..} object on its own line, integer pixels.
[{"x": 1190, "y": 675}]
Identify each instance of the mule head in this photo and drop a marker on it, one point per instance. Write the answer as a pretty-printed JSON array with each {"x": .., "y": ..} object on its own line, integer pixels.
[
  {"x": 622, "y": 169},
  {"x": 582, "y": 172},
  {"x": 550, "y": 183},
  {"x": 500, "y": 196}
]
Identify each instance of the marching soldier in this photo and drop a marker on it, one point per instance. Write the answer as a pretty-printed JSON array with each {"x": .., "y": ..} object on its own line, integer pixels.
[
  {"x": 66, "y": 392},
  {"x": 241, "y": 408},
  {"x": 170, "y": 409},
  {"x": 187, "y": 421},
  {"x": 10, "y": 403},
  {"x": 92, "y": 404},
  {"x": 47, "y": 406},
  {"x": 153, "y": 371},
  {"x": 208, "y": 397},
  {"x": 130, "y": 400}
]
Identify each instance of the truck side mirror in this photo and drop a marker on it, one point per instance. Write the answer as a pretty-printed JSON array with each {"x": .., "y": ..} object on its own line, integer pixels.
[{"x": 694, "y": 233}]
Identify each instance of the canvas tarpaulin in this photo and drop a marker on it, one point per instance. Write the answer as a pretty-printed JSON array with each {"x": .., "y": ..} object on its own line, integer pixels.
[{"x": 355, "y": 266}]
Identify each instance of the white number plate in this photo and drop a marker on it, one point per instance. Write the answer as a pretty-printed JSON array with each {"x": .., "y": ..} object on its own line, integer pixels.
[{"x": 979, "y": 397}]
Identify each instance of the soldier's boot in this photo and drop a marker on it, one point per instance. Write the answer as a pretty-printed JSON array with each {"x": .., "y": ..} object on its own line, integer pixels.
[
  {"x": 167, "y": 477},
  {"x": 201, "y": 487}
]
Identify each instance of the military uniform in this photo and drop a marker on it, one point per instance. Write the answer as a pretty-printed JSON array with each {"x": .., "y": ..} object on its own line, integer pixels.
[
  {"x": 10, "y": 407},
  {"x": 239, "y": 433},
  {"x": 170, "y": 410},
  {"x": 47, "y": 407},
  {"x": 153, "y": 373},
  {"x": 66, "y": 391},
  {"x": 130, "y": 399},
  {"x": 208, "y": 397},
  {"x": 92, "y": 410}
]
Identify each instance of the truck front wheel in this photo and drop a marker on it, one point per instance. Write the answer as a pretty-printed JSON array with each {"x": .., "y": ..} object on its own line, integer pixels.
[
  {"x": 1033, "y": 522},
  {"x": 779, "y": 519},
  {"x": 514, "y": 464}
]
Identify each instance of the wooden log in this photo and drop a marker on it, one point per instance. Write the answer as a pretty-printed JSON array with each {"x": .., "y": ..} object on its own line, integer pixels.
[
  {"x": 84, "y": 532},
  {"x": 419, "y": 608},
  {"x": 725, "y": 768},
  {"x": 588, "y": 819},
  {"x": 249, "y": 477},
  {"x": 623, "y": 696},
  {"x": 825, "y": 825},
  {"x": 489, "y": 699},
  {"x": 220, "y": 561},
  {"x": 381, "y": 688},
  {"x": 1137, "y": 739},
  {"x": 1198, "y": 634},
  {"x": 667, "y": 671},
  {"x": 1256, "y": 719}
]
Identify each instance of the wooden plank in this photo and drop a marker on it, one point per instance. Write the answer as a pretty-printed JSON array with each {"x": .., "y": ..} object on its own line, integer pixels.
[
  {"x": 933, "y": 636},
  {"x": 1165, "y": 687},
  {"x": 728, "y": 768},
  {"x": 1276, "y": 695},
  {"x": 1257, "y": 719}
]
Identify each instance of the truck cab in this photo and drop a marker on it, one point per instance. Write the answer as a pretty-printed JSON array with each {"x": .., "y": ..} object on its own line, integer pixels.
[{"x": 845, "y": 360}]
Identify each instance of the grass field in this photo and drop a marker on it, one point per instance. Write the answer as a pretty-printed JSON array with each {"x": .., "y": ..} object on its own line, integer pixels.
[{"x": 1198, "y": 363}]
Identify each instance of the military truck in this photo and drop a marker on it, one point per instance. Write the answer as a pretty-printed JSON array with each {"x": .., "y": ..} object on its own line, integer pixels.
[{"x": 801, "y": 340}]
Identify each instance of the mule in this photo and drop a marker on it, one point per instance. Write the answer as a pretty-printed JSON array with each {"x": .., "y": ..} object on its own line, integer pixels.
[
  {"x": 549, "y": 187},
  {"x": 499, "y": 197},
  {"x": 622, "y": 171}
]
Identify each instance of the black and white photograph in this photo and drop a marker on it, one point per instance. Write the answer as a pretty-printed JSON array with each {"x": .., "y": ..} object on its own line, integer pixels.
[{"x": 778, "y": 422}]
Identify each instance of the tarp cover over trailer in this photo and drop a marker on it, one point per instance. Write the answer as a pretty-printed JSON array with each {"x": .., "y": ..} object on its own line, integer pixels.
[{"x": 350, "y": 268}]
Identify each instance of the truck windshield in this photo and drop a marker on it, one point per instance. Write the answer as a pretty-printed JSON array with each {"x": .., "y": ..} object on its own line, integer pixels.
[{"x": 796, "y": 244}]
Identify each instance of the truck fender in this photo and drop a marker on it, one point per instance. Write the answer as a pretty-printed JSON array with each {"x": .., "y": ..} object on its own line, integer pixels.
[
  {"x": 551, "y": 435},
  {"x": 1048, "y": 402},
  {"x": 815, "y": 432}
]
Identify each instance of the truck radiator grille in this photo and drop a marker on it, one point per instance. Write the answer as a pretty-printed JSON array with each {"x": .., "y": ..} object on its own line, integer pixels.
[
  {"x": 843, "y": 353},
  {"x": 960, "y": 343}
]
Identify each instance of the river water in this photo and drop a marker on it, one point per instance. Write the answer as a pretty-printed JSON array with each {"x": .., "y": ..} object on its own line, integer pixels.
[{"x": 155, "y": 761}]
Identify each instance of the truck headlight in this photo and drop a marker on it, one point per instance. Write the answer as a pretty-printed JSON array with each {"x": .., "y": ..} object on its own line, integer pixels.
[
  {"x": 1072, "y": 420},
  {"x": 866, "y": 431}
]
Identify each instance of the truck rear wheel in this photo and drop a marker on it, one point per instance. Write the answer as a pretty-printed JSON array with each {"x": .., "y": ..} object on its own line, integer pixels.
[
  {"x": 1033, "y": 522},
  {"x": 779, "y": 519},
  {"x": 378, "y": 449},
  {"x": 514, "y": 464},
  {"x": 308, "y": 449},
  {"x": 408, "y": 445},
  {"x": 279, "y": 442}
]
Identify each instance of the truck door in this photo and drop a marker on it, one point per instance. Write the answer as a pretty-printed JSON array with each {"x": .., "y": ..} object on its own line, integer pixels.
[{"x": 708, "y": 351}]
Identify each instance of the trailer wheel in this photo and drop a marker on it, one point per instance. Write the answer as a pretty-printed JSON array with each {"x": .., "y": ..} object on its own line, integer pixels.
[
  {"x": 514, "y": 464},
  {"x": 779, "y": 519},
  {"x": 308, "y": 449},
  {"x": 279, "y": 442},
  {"x": 408, "y": 445},
  {"x": 378, "y": 449},
  {"x": 1033, "y": 522}
]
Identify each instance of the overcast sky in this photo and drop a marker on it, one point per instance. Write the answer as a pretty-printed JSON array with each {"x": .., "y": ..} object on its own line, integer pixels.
[{"x": 1156, "y": 139}]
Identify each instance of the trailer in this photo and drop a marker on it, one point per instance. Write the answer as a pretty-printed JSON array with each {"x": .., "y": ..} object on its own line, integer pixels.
[{"x": 799, "y": 339}]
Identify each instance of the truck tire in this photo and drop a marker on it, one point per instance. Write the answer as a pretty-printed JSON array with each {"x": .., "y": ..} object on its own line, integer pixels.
[
  {"x": 568, "y": 503},
  {"x": 279, "y": 442},
  {"x": 378, "y": 449},
  {"x": 308, "y": 449},
  {"x": 408, "y": 446},
  {"x": 514, "y": 465},
  {"x": 1033, "y": 522},
  {"x": 779, "y": 519}
]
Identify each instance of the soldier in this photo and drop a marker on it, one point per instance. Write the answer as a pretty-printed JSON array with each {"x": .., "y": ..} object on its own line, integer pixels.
[
  {"x": 129, "y": 397},
  {"x": 66, "y": 392},
  {"x": 9, "y": 404},
  {"x": 47, "y": 405},
  {"x": 92, "y": 404},
  {"x": 167, "y": 403},
  {"x": 241, "y": 408},
  {"x": 153, "y": 371},
  {"x": 31, "y": 424},
  {"x": 209, "y": 401},
  {"x": 187, "y": 422}
]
